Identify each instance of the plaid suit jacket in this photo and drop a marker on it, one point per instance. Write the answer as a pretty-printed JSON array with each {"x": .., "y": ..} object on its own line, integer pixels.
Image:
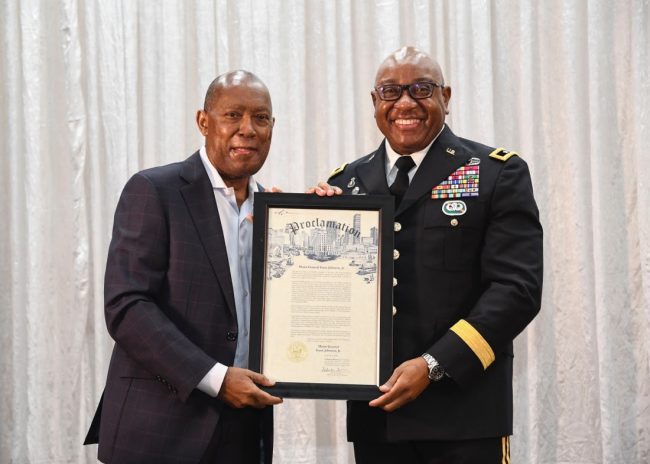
[{"x": 170, "y": 307}]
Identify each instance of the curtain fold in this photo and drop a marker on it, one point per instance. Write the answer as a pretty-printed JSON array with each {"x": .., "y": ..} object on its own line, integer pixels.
[{"x": 91, "y": 92}]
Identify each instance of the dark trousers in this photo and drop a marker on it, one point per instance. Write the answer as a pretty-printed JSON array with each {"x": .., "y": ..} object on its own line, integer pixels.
[
  {"x": 237, "y": 438},
  {"x": 481, "y": 451}
]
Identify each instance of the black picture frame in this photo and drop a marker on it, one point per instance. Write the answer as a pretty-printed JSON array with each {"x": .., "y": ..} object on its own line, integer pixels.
[{"x": 384, "y": 206}]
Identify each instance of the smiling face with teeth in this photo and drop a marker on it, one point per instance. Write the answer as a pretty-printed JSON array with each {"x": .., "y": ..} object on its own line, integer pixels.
[
  {"x": 237, "y": 123},
  {"x": 410, "y": 124}
]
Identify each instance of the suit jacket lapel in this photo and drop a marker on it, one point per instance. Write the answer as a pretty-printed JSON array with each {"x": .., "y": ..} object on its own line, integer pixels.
[
  {"x": 199, "y": 199},
  {"x": 372, "y": 173},
  {"x": 436, "y": 166}
]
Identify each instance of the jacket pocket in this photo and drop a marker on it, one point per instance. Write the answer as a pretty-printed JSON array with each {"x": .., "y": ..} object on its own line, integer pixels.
[{"x": 452, "y": 242}]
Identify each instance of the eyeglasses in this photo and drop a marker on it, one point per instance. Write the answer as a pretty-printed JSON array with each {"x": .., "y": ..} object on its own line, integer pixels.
[{"x": 417, "y": 90}]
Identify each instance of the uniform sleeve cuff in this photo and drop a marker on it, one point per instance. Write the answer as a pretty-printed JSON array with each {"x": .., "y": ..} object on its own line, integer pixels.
[
  {"x": 461, "y": 355},
  {"x": 475, "y": 341}
]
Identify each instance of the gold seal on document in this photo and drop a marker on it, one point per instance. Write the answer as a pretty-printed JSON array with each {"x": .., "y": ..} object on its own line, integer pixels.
[{"x": 297, "y": 352}]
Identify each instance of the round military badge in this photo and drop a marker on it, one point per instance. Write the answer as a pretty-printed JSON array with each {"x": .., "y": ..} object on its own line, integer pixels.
[
  {"x": 454, "y": 208},
  {"x": 297, "y": 352}
]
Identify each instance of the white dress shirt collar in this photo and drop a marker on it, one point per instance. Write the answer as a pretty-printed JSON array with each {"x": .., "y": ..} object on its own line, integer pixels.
[
  {"x": 392, "y": 156},
  {"x": 215, "y": 178}
]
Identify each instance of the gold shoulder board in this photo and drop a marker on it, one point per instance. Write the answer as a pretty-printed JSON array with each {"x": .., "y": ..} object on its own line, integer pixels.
[
  {"x": 502, "y": 154},
  {"x": 337, "y": 171}
]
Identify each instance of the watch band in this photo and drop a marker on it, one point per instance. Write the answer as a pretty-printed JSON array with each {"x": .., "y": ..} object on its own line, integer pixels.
[{"x": 436, "y": 371}]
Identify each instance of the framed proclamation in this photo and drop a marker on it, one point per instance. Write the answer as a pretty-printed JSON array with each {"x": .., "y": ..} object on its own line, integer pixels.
[{"x": 322, "y": 294}]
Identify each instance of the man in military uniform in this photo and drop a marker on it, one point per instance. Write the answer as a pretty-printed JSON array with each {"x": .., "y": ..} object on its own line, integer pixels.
[{"x": 468, "y": 275}]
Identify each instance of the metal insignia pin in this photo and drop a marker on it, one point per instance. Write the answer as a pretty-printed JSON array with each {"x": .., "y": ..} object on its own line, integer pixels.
[
  {"x": 474, "y": 162},
  {"x": 355, "y": 190},
  {"x": 351, "y": 183},
  {"x": 451, "y": 151}
]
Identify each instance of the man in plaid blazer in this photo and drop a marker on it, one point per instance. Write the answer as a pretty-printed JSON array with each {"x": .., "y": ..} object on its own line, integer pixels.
[{"x": 177, "y": 298}]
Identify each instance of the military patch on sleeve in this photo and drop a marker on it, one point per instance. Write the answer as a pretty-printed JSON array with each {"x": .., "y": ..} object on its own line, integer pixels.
[
  {"x": 502, "y": 154},
  {"x": 337, "y": 171}
]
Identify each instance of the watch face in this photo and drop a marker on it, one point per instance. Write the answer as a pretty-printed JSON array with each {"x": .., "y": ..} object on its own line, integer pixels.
[{"x": 436, "y": 372}]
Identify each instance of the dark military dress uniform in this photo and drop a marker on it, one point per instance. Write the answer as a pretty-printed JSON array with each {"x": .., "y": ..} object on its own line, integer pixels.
[{"x": 468, "y": 264}]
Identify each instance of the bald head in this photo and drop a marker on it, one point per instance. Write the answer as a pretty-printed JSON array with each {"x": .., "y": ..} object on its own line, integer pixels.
[
  {"x": 409, "y": 55},
  {"x": 230, "y": 79}
]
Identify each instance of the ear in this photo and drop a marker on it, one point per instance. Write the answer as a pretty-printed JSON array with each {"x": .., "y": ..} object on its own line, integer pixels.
[
  {"x": 202, "y": 122},
  {"x": 446, "y": 95},
  {"x": 375, "y": 100}
]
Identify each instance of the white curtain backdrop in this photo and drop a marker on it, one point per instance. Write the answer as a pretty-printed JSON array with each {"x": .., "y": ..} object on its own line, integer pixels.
[{"x": 93, "y": 91}]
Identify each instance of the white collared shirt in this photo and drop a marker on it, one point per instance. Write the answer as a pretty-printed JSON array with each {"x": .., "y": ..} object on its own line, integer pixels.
[
  {"x": 238, "y": 236},
  {"x": 392, "y": 156}
]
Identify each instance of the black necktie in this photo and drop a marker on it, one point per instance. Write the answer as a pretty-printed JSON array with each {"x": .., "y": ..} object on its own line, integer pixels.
[{"x": 401, "y": 183}]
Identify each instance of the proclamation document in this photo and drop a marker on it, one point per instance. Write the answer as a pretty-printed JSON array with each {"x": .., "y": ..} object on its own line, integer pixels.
[{"x": 321, "y": 296}]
